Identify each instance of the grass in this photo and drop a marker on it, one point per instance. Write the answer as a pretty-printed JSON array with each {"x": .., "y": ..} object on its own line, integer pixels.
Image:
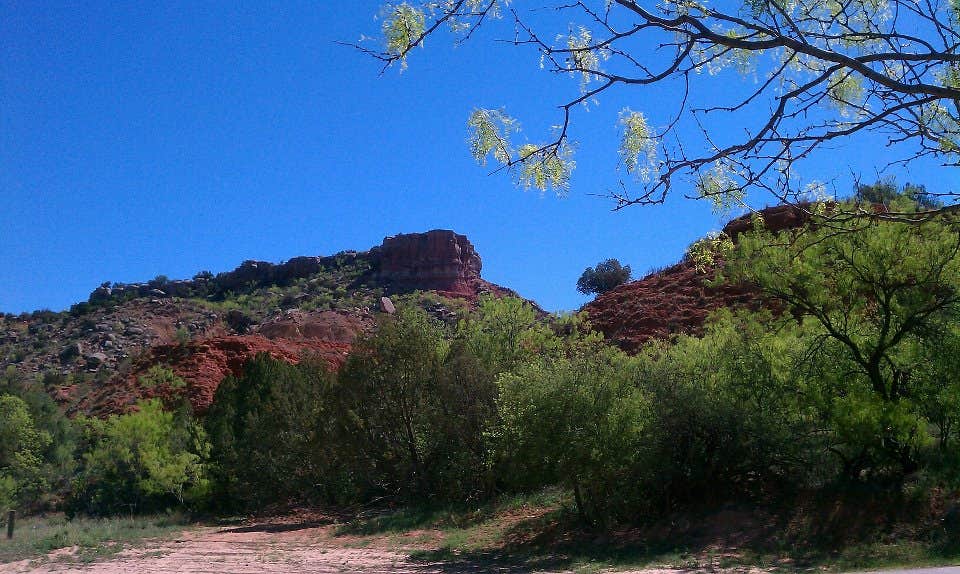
[{"x": 95, "y": 538}]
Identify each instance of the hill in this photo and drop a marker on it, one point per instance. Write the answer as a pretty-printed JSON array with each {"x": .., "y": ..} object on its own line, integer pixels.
[
  {"x": 92, "y": 357},
  {"x": 678, "y": 299}
]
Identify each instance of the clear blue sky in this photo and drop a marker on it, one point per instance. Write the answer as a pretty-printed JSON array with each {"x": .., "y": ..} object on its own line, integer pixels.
[{"x": 139, "y": 139}]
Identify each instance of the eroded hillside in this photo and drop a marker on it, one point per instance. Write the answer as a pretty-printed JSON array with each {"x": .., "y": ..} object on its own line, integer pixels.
[{"x": 92, "y": 358}]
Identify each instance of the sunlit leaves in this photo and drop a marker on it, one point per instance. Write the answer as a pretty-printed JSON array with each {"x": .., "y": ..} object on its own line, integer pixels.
[
  {"x": 545, "y": 167},
  {"x": 709, "y": 251},
  {"x": 719, "y": 186},
  {"x": 846, "y": 92},
  {"x": 584, "y": 57},
  {"x": 937, "y": 122},
  {"x": 638, "y": 144},
  {"x": 403, "y": 26},
  {"x": 534, "y": 166},
  {"x": 490, "y": 133}
]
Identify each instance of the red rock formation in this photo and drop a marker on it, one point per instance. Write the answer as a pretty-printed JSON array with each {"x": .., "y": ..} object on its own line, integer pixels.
[
  {"x": 672, "y": 301},
  {"x": 203, "y": 365},
  {"x": 440, "y": 260},
  {"x": 330, "y": 326},
  {"x": 677, "y": 300}
]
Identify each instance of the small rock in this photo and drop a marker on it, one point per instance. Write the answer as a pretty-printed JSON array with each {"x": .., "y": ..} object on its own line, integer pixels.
[
  {"x": 70, "y": 352},
  {"x": 95, "y": 359},
  {"x": 386, "y": 305}
]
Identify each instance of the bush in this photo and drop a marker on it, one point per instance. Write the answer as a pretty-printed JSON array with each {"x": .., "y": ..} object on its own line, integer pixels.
[
  {"x": 21, "y": 449},
  {"x": 606, "y": 276},
  {"x": 391, "y": 392},
  {"x": 144, "y": 461},
  {"x": 729, "y": 420},
  {"x": 578, "y": 421},
  {"x": 270, "y": 434}
]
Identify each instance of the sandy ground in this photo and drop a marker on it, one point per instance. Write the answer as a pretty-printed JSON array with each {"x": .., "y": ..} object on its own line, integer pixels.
[
  {"x": 260, "y": 550},
  {"x": 305, "y": 548}
]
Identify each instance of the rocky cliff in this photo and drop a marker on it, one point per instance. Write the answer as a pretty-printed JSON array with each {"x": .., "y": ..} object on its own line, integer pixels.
[
  {"x": 206, "y": 327},
  {"x": 438, "y": 260}
]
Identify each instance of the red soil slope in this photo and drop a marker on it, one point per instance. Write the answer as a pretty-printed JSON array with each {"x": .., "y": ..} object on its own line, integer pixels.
[
  {"x": 203, "y": 364},
  {"x": 677, "y": 300},
  {"x": 673, "y": 301}
]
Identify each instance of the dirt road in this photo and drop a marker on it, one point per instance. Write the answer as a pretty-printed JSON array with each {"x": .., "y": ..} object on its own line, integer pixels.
[
  {"x": 307, "y": 548},
  {"x": 262, "y": 550}
]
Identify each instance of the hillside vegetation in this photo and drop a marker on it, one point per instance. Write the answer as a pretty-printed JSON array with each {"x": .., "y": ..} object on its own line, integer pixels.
[{"x": 841, "y": 394}]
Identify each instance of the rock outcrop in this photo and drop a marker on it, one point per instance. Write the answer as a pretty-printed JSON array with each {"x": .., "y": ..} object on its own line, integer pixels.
[
  {"x": 207, "y": 327},
  {"x": 775, "y": 219},
  {"x": 249, "y": 275},
  {"x": 330, "y": 326},
  {"x": 675, "y": 300},
  {"x": 438, "y": 260}
]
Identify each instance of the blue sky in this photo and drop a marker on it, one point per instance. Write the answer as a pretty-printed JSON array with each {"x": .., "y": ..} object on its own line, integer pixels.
[{"x": 139, "y": 139}]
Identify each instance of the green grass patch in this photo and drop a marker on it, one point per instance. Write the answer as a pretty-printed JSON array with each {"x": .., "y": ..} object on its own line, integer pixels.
[{"x": 95, "y": 538}]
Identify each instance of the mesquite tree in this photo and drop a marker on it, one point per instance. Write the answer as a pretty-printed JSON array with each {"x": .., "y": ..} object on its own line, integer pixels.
[{"x": 824, "y": 70}]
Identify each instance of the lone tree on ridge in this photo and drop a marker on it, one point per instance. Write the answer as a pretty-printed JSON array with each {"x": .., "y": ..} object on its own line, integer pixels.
[{"x": 605, "y": 276}]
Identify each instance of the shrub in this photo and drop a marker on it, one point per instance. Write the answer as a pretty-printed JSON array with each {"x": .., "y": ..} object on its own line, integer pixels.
[
  {"x": 729, "y": 420},
  {"x": 578, "y": 421},
  {"x": 269, "y": 431},
  {"x": 143, "y": 461},
  {"x": 21, "y": 449},
  {"x": 390, "y": 388}
]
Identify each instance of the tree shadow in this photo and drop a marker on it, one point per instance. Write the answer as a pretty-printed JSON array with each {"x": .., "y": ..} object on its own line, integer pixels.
[
  {"x": 274, "y": 528},
  {"x": 453, "y": 562}
]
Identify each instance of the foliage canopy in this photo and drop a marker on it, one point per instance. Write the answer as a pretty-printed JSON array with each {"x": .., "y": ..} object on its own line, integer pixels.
[
  {"x": 823, "y": 71},
  {"x": 880, "y": 301}
]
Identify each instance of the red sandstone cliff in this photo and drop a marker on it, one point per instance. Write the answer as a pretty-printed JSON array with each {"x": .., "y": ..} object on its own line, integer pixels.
[{"x": 438, "y": 260}]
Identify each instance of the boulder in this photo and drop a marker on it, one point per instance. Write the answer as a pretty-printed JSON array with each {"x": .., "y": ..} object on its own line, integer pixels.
[
  {"x": 95, "y": 359},
  {"x": 386, "y": 305}
]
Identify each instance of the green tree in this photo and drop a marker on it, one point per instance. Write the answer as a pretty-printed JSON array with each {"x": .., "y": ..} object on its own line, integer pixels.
[
  {"x": 576, "y": 420},
  {"x": 875, "y": 296},
  {"x": 885, "y": 192},
  {"x": 504, "y": 332},
  {"x": 606, "y": 276},
  {"x": 143, "y": 461},
  {"x": 59, "y": 455},
  {"x": 21, "y": 449},
  {"x": 392, "y": 397},
  {"x": 270, "y": 432},
  {"x": 734, "y": 418},
  {"x": 828, "y": 71}
]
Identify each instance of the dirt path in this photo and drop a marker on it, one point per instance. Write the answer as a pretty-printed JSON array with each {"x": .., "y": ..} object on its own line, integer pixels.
[{"x": 260, "y": 550}]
